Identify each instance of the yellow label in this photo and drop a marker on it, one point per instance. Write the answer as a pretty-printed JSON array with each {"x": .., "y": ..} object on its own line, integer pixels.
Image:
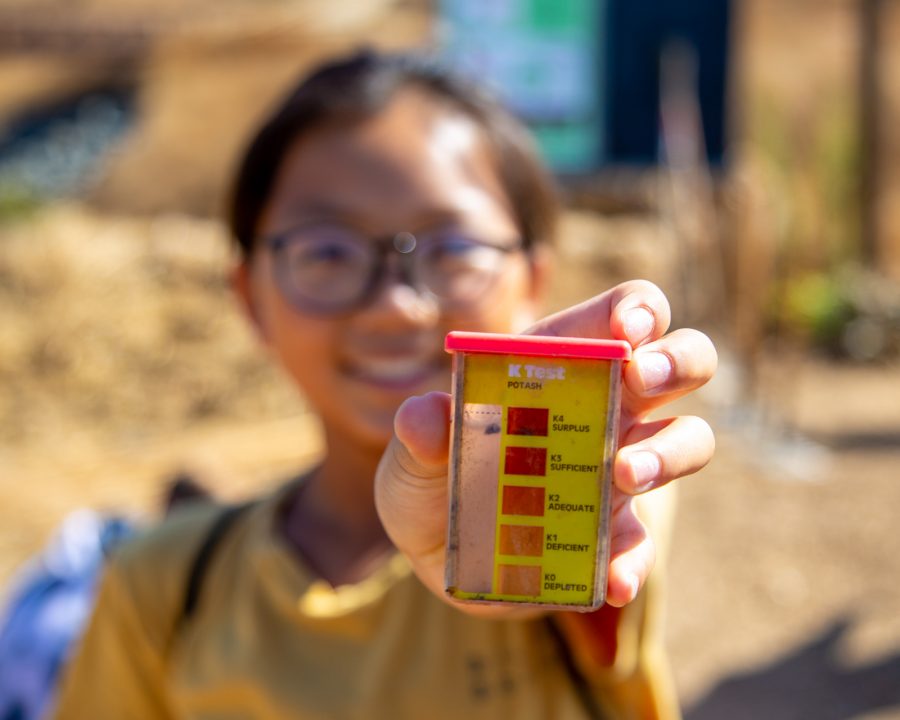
[{"x": 546, "y": 421}]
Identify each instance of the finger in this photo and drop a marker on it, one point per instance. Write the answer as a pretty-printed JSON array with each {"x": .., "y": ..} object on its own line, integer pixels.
[
  {"x": 658, "y": 452},
  {"x": 632, "y": 556},
  {"x": 636, "y": 311},
  {"x": 666, "y": 369},
  {"x": 411, "y": 482}
]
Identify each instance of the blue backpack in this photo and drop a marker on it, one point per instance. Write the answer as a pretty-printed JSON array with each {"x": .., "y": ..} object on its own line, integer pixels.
[
  {"x": 47, "y": 608},
  {"x": 53, "y": 596}
]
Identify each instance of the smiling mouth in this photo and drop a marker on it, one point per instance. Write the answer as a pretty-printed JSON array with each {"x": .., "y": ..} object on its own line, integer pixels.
[{"x": 395, "y": 372}]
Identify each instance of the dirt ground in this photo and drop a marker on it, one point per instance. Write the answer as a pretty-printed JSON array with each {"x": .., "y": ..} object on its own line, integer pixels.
[
  {"x": 784, "y": 590},
  {"x": 122, "y": 360}
]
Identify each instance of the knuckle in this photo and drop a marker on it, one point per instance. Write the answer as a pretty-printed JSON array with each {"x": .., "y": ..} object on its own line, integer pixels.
[
  {"x": 692, "y": 353},
  {"x": 409, "y": 469},
  {"x": 641, "y": 286}
]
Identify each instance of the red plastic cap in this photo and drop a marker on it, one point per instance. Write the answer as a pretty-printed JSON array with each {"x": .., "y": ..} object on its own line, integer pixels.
[{"x": 537, "y": 346}]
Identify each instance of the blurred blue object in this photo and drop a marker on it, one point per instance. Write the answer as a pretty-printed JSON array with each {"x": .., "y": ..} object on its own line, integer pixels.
[
  {"x": 47, "y": 608},
  {"x": 640, "y": 31},
  {"x": 55, "y": 151},
  {"x": 586, "y": 74}
]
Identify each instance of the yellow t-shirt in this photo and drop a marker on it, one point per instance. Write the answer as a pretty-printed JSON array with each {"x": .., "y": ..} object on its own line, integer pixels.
[{"x": 269, "y": 640}]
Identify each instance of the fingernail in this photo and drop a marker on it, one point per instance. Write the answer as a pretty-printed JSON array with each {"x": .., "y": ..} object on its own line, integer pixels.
[
  {"x": 644, "y": 468},
  {"x": 634, "y": 585},
  {"x": 638, "y": 324},
  {"x": 654, "y": 369}
]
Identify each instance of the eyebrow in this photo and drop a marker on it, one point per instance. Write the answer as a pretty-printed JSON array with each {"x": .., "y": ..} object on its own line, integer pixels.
[{"x": 322, "y": 209}]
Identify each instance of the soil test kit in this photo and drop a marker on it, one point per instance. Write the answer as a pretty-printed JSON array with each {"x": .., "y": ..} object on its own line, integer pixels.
[{"x": 533, "y": 437}]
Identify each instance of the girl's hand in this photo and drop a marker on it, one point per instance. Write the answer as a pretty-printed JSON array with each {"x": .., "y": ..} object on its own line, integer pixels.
[{"x": 411, "y": 484}]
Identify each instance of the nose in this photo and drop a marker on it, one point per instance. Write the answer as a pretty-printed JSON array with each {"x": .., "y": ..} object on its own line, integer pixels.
[
  {"x": 396, "y": 296},
  {"x": 396, "y": 303},
  {"x": 399, "y": 301}
]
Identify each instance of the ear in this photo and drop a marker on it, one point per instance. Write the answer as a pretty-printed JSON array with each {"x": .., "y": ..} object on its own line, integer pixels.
[{"x": 241, "y": 280}]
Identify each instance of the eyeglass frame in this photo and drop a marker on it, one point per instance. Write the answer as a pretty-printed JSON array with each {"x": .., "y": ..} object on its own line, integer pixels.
[{"x": 385, "y": 247}]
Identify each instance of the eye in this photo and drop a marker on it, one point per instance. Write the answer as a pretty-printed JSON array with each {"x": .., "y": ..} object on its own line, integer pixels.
[
  {"x": 324, "y": 261},
  {"x": 448, "y": 246},
  {"x": 450, "y": 253},
  {"x": 324, "y": 252}
]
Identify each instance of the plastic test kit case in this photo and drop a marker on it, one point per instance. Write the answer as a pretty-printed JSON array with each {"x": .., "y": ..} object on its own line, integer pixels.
[{"x": 534, "y": 428}]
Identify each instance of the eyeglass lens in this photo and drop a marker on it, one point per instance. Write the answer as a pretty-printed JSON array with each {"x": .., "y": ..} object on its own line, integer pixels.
[{"x": 332, "y": 268}]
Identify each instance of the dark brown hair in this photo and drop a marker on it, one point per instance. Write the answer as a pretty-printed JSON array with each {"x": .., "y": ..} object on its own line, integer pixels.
[{"x": 357, "y": 86}]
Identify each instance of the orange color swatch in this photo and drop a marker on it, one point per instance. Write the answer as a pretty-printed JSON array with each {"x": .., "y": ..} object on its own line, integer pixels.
[
  {"x": 519, "y": 579},
  {"x": 519, "y": 500},
  {"x": 521, "y": 540}
]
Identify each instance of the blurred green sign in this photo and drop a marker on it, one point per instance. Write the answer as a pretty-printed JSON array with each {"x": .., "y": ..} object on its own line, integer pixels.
[{"x": 543, "y": 57}]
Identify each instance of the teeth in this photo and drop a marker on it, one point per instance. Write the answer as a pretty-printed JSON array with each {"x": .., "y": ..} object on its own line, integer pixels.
[{"x": 391, "y": 369}]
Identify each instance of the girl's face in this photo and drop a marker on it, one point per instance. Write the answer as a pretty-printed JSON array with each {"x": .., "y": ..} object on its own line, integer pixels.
[{"x": 415, "y": 167}]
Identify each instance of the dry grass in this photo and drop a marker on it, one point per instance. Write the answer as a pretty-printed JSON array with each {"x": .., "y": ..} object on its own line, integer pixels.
[
  {"x": 121, "y": 358},
  {"x": 99, "y": 314}
]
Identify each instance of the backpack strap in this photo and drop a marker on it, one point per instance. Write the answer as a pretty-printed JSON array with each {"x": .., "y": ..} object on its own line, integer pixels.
[{"x": 203, "y": 559}]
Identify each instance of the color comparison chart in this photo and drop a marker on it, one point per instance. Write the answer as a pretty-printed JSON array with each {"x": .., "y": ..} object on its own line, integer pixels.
[{"x": 534, "y": 427}]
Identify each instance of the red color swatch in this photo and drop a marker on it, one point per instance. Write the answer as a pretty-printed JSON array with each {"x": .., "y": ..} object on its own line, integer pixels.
[
  {"x": 527, "y": 421},
  {"x": 523, "y": 500},
  {"x": 525, "y": 461}
]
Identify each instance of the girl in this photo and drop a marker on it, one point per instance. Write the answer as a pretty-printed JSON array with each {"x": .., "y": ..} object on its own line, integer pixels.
[{"x": 382, "y": 205}]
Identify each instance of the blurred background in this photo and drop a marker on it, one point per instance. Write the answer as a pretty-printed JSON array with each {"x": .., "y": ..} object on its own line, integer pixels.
[{"x": 743, "y": 154}]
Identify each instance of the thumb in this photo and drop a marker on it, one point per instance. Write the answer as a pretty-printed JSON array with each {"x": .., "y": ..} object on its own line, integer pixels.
[{"x": 411, "y": 484}]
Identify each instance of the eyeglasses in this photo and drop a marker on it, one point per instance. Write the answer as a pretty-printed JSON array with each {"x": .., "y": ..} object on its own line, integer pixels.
[{"x": 328, "y": 269}]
